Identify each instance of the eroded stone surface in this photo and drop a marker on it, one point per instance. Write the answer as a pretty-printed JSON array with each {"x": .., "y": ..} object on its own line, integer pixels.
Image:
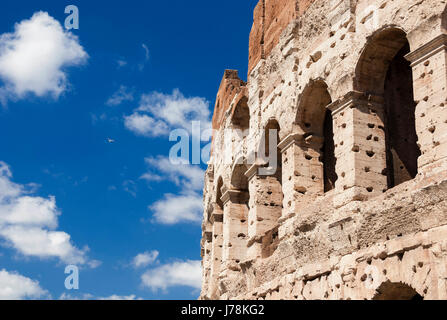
[{"x": 357, "y": 207}]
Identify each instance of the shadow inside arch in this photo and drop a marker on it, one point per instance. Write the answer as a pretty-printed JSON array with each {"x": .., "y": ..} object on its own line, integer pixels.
[{"x": 396, "y": 291}]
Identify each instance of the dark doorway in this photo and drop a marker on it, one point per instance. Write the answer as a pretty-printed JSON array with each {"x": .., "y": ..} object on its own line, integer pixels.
[
  {"x": 401, "y": 138},
  {"x": 329, "y": 160}
]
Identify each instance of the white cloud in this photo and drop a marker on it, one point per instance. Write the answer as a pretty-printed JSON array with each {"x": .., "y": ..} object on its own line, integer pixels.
[
  {"x": 120, "y": 298},
  {"x": 28, "y": 224},
  {"x": 34, "y": 58},
  {"x": 173, "y": 209},
  {"x": 180, "y": 173},
  {"x": 88, "y": 296},
  {"x": 146, "y": 51},
  {"x": 159, "y": 113},
  {"x": 14, "y": 286},
  {"x": 122, "y": 95},
  {"x": 145, "y": 259},
  {"x": 187, "y": 273},
  {"x": 144, "y": 125},
  {"x": 146, "y": 57},
  {"x": 121, "y": 63}
]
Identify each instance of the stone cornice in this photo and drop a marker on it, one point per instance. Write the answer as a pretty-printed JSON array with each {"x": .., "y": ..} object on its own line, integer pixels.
[
  {"x": 208, "y": 236},
  {"x": 290, "y": 140},
  {"x": 217, "y": 217},
  {"x": 235, "y": 196},
  {"x": 252, "y": 171},
  {"x": 351, "y": 98},
  {"x": 427, "y": 50}
]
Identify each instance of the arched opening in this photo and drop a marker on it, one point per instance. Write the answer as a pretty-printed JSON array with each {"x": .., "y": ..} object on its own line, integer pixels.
[
  {"x": 329, "y": 160},
  {"x": 384, "y": 71},
  {"x": 219, "y": 194},
  {"x": 396, "y": 291},
  {"x": 317, "y": 123},
  {"x": 241, "y": 115},
  {"x": 272, "y": 127}
]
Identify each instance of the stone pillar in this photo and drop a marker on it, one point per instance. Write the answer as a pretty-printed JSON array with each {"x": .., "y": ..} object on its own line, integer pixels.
[
  {"x": 360, "y": 147},
  {"x": 206, "y": 260},
  {"x": 302, "y": 171},
  {"x": 216, "y": 253},
  {"x": 235, "y": 233},
  {"x": 429, "y": 64},
  {"x": 265, "y": 208}
]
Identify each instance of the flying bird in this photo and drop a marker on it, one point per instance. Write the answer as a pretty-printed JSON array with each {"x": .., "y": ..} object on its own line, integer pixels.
[{"x": 110, "y": 141}]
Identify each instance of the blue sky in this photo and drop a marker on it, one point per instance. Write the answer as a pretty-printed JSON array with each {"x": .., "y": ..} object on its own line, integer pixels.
[{"x": 132, "y": 73}]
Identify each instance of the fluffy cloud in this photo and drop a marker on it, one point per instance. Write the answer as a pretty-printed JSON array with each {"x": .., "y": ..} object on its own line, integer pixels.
[
  {"x": 144, "y": 125},
  {"x": 34, "y": 58},
  {"x": 145, "y": 259},
  {"x": 120, "y": 298},
  {"x": 159, "y": 113},
  {"x": 88, "y": 296},
  {"x": 173, "y": 209},
  {"x": 28, "y": 224},
  {"x": 14, "y": 286},
  {"x": 122, "y": 95},
  {"x": 187, "y": 273},
  {"x": 179, "y": 173}
]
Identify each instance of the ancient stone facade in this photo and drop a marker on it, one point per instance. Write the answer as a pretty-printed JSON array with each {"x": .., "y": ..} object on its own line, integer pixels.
[{"x": 356, "y": 206}]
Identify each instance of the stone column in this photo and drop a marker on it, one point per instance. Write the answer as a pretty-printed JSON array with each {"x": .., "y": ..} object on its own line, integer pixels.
[
  {"x": 216, "y": 253},
  {"x": 206, "y": 260},
  {"x": 265, "y": 208},
  {"x": 360, "y": 147},
  {"x": 429, "y": 64},
  {"x": 302, "y": 171},
  {"x": 235, "y": 233}
]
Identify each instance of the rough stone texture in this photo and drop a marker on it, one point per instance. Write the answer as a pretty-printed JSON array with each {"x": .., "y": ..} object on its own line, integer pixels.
[{"x": 356, "y": 208}]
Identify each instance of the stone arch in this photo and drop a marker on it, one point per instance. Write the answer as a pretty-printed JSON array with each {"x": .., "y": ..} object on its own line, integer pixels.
[
  {"x": 316, "y": 122},
  {"x": 383, "y": 72},
  {"x": 238, "y": 179},
  {"x": 380, "y": 49},
  {"x": 218, "y": 199},
  {"x": 396, "y": 291},
  {"x": 240, "y": 118},
  {"x": 272, "y": 124}
]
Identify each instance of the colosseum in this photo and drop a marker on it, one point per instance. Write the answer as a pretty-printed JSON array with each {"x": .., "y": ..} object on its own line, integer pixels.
[{"x": 328, "y": 173}]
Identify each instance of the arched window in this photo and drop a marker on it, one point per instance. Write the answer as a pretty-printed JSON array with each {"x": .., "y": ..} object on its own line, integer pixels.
[
  {"x": 241, "y": 115},
  {"x": 219, "y": 194},
  {"x": 396, "y": 291},
  {"x": 384, "y": 71},
  {"x": 317, "y": 123}
]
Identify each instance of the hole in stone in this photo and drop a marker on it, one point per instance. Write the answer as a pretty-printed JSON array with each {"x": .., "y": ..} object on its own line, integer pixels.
[
  {"x": 370, "y": 153},
  {"x": 367, "y": 169},
  {"x": 369, "y": 137},
  {"x": 370, "y": 189},
  {"x": 371, "y": 126}
]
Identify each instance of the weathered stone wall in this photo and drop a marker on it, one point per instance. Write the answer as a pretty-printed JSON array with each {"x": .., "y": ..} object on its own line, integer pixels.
[{"x": 355, "y": 208}]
